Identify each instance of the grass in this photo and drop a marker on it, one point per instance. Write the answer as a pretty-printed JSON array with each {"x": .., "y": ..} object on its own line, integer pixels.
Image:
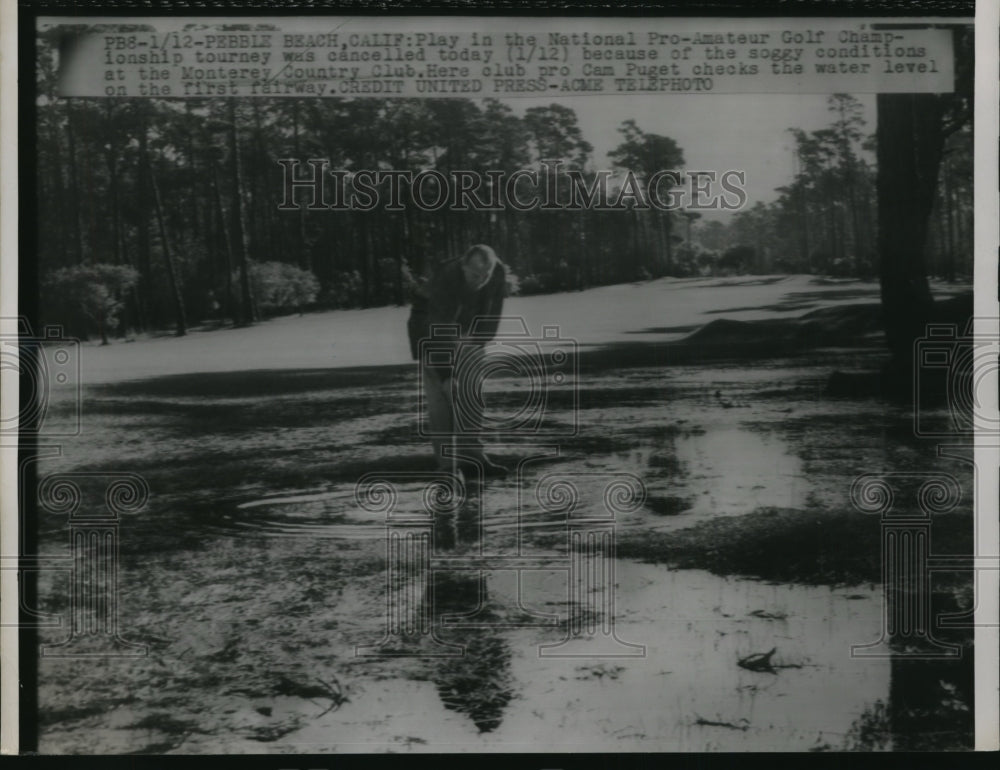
[{"x": 787, "y": 545}]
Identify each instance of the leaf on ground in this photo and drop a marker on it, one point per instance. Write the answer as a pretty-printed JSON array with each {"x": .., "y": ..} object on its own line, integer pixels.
[
  {"x": 744, "y": 724},
  {"x": 768, "y": 615},
  {"x": 759, "y": 661}
]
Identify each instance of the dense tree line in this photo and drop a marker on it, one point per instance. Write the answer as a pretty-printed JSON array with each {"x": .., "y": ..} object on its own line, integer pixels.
[
  {"x": 164, "y": 213},
  {"x": 181, "y": 198},
  {"x": 825, "y": 219}
]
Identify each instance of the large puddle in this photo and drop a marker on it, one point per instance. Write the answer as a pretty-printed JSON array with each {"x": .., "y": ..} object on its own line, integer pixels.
[
  {"x": 676, "y": 683},
  {"x": 687, "y": 477},
  {"x": 684, "y": 692},
  {"x": 739, "y": 469}
]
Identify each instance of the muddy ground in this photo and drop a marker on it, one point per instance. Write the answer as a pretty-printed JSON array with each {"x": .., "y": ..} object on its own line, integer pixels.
[{"x": 253, "y": 574}]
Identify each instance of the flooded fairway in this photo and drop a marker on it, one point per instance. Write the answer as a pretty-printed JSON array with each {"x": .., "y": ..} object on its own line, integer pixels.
[
  {"x": 691, "y": 521},
  {"x": 685, "y": 692}
]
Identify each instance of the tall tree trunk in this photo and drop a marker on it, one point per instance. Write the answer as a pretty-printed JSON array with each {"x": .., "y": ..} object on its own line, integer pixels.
[
  {"x": 831, "y": 229},
  {"x": 361, "y": 231},
  {"x": 847, "y": 167},
  {"x": 803, "y": 204},
  {"x": 636, "y": 248},
  {"x": 949, "y": 207},
  {"x": 117, "y": 237},
  {"x": 74, "y": 184},
  {"x": 852, "y": 202},
  {"x": 194, "y": 204},
  {"x": 962, "y": 230},
  {"x": 111, "y": 158},
  {"x": 168, "y": 260},
  {"x": 936, "y": 242},
  {"x": 227, "y": 244},
  {"x": 868, "y": 205},
  {"x": 669, "y": 229},
  {"x": 413, "y": 255},
  {"x": 58, "y": 184},
  {"x": 142, "y": 233},
  {"x": 910, "y": 144},
  {"x": 305, "y": 258},
  {"x": 399, "y": 231},
  {"x": 241, "y": 248},
  {"x": 375, "y": 296},
  {"x": 258, "y": 215}
]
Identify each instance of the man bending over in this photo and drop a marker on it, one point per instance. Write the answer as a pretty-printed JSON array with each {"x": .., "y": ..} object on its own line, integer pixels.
[{"x": 466, "y": 293}]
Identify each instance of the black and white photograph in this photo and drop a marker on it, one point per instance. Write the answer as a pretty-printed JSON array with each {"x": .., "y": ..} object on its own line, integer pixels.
[{"x": 499, "y": 384}]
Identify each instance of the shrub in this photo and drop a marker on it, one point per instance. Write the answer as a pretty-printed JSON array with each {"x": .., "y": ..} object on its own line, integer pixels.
[
  {"x": 738, "y": 259},
  {"x": 513, "y": 284},
  {"x": 535, "y": 283},
  {"x": 279, "y": 286},
  {"x": 343, "y": 291},
  {"x": 90, "y": 294},
  {"x": 692, "y": 260}
]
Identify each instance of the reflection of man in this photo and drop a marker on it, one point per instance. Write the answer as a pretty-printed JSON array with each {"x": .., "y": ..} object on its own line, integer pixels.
[{"x": 467, "y": 293}]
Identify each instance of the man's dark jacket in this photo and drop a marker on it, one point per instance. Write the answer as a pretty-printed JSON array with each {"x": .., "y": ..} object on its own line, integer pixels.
[{"x": 447, "y": 300}]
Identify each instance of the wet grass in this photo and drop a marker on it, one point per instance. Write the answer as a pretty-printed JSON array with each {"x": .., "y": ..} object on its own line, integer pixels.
[
  {"x": 667, "y": 505},
  {"x": 260, "y": 383},
  {"x": 56, "y": 716},
  {"x": 191, "y": 418},
  {"x": 788, "y": 545}
]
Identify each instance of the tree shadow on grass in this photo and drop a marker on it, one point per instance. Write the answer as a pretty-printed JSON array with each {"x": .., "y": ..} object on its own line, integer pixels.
[
  {"x": 728, "y": 340},
  {"x": 812, "y": 547},
  {"x": 718, "y": 340},
  {"x": 257, "y": 383}
]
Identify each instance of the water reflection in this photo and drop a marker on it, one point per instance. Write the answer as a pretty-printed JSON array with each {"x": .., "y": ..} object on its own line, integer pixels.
[
  {"x": 725, "y": 471},
  {"x": 731, "y": 469},
  {"x": 479, "y": 684},
  {"x": 687, "y": 693}
]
